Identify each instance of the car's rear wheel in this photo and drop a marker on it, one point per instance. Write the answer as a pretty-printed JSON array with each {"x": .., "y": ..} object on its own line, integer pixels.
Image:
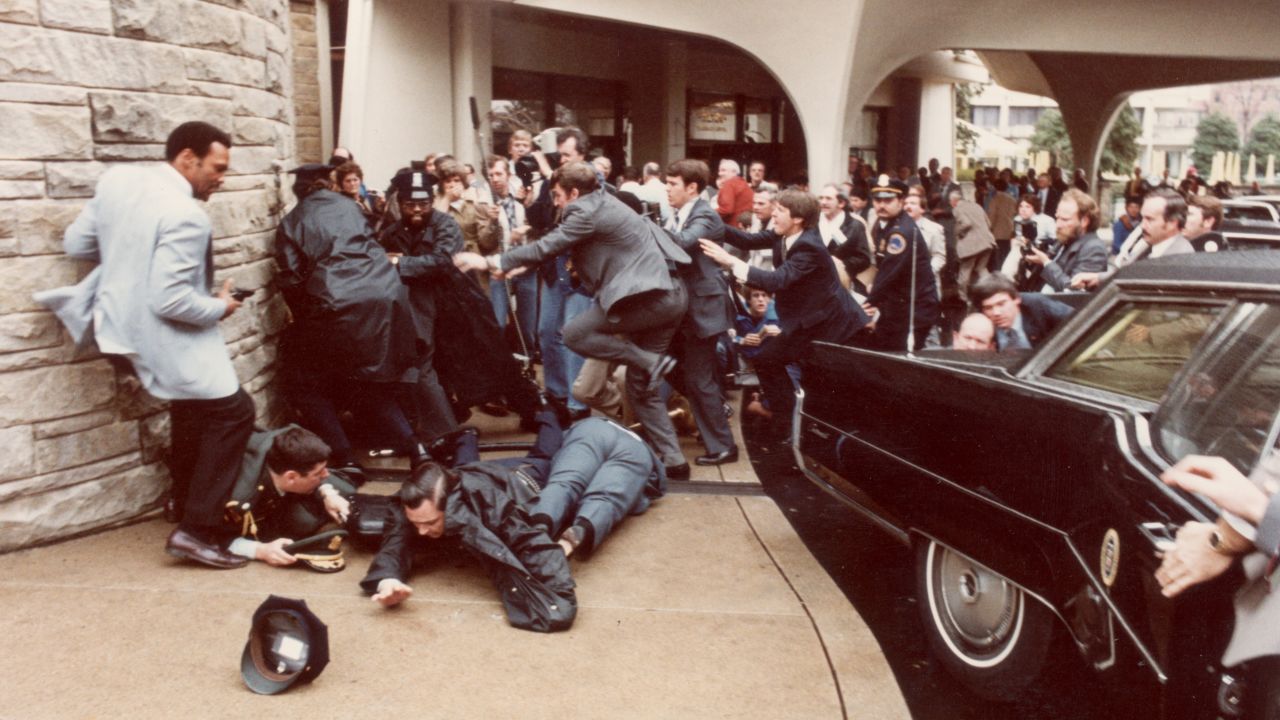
[{"x": 984, "y": 629}]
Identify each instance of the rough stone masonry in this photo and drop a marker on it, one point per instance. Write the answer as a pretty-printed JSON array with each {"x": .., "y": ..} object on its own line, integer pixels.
[{"x": 85, "y": 84}]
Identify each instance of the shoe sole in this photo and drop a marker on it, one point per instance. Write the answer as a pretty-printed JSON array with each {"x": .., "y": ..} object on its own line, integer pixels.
[{"x": 183, "y": 556}]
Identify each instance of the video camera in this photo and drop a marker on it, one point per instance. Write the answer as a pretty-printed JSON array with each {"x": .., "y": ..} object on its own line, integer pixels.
[
  {"x": 1029, "y": 232},
  {"x": 530, "y": 172}
]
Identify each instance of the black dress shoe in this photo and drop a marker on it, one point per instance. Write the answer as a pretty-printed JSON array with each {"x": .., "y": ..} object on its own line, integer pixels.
[
  {"x": 664, "y": 366},
  {"x": 721, "y": 458},
  {"x": 678, "y": 472},
  {"x": 183, "y": 544}
]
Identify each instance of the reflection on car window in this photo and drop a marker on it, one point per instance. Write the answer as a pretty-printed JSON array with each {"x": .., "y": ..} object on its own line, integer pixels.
[
  {"x": 1137, "y": 349},
  {"x": 1229, "y": 404}
]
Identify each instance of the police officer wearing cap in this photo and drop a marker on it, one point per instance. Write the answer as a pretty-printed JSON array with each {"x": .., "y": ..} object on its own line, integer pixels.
[
  {"x": 353, "y": 343},
  {"x": 421, "y": 244},
  {"x": 904, "y": 295},
  {"x": 283, "y": 493}
]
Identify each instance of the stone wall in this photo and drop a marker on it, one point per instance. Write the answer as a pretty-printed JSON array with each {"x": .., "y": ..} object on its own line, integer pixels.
[
  {"x": 306, "y": 86},
  {"x": 85, "y": 84}
]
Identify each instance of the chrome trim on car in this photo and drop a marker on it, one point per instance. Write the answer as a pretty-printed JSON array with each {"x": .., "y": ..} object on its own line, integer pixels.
[
  {"x": 804, "y": 463},
  {"x": 1075, "y": 552}
]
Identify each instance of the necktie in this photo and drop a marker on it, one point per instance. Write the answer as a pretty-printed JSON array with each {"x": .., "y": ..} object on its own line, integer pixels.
[{"x": 1012, "y": 339}]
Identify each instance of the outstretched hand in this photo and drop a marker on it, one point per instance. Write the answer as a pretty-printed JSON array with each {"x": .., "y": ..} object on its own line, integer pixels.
[
  {"x": 391, "y": 592},
  {"x": 1191, "y": 560},
  {"x": 465, "y": 261},
  {"x": 718, "y": 255},
  {"x": 1218, "y": 480}
]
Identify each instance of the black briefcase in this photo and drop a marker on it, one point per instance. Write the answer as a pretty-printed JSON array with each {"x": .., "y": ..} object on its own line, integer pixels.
[{"x": 370, "y": 516}]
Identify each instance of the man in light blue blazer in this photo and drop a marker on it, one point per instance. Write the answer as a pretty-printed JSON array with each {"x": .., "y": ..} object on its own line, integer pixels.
[{"x": 150, "y": 301}]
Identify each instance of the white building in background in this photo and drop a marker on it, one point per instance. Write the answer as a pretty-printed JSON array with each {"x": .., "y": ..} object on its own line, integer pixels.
[{"x": 1005, "y": 120}]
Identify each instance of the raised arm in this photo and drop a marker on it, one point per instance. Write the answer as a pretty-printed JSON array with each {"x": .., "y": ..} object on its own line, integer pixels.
[{"x": 763, "y": 240}]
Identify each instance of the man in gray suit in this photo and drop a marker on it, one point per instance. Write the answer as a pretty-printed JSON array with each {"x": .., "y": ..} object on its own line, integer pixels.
[
  {"x": 630, "y": 266},
  {"x": 1079, "y": 247},
  {"x": 1164, "y": 213},
  {"x": 710, "y": 309},
  {"x": 151, "y": 303}
]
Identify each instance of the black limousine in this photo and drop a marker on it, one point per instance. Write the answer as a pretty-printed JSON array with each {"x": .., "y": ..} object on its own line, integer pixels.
[{"x": 1027, "y": 482}]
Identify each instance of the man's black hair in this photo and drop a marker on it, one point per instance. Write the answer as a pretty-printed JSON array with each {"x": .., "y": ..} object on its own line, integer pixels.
[
  {"x": 429, "y": 482},
  {"x": 296, "y": 449},
  {"x": 991, "y": 285},
  {"x": 196, "y": 135},
  {"x": 580, "y": 138}
]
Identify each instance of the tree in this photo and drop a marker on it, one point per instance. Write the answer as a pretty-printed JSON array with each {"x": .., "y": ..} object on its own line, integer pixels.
[
  {"x": 1215, "y": 133},
  {"x": 1243, "y": 100},
  {"x": 965, "y": 135},
  {"x": 1265, "y": 139},
  {"x": 1121, "y": 148},
  {"x": 1051, "y": 134},
  {"x": 1118, "y": 153}
]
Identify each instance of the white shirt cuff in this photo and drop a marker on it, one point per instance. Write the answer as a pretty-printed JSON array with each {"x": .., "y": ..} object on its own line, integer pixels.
[
  {"x": 740, "y": 270},
  {"x": 244, "y": 547}
]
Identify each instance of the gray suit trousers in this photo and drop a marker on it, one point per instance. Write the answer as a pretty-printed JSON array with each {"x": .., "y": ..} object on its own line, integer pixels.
[
  {"x": 601, "y": 479},
  {"x": 636, "y": 332},
  {"x": 695, "y": 378}
]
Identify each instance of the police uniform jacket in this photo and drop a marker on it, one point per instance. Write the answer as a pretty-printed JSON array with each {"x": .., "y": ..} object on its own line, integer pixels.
[
  {"x": 482, "y": 514},
  {"x": 710, "y": 308},
  {"x": 615, "y": 252},
  {"x": 896, "y": 243},
  {"x": 260, "y": 511}
]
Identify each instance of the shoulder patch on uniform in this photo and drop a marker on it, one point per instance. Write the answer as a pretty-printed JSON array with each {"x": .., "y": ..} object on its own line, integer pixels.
[
  {"x": 1211, "y": 246},
  {"x": 897, "y": 243}
]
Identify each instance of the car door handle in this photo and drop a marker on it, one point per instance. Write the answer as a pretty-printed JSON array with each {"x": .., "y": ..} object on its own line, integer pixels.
[{"x": 1160, "y": 534}]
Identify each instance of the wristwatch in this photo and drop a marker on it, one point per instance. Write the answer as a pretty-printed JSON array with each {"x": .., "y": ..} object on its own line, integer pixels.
[{"x": 1218, "y": 543}]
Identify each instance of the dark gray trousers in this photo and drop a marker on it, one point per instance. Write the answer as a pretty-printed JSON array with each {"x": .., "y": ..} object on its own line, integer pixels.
[{"x": 636, "y": 332}]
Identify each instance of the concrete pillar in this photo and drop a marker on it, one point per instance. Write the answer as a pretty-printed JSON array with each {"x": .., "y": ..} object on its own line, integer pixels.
[
  {"x": 355, "y": 70},
  {"x": 903, "y": 127},
  {"x": 397, "y": 96},
  {"x": 325, "y": 76},
  {"x": 471, "y": 39},
  {"x": 937, "y": 125},
  {"x": 675, "y": 101},
  {"x": 1088, "y": 124}
]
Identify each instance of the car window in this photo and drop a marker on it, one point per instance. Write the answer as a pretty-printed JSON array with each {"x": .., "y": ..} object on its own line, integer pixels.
[
  {"x": 1247, "y": 212},
  {"x": 1229, "y": 403},
  {"x": 1137, "y": 349}
]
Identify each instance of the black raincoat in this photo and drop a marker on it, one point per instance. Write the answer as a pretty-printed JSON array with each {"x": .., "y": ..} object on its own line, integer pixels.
[
  {"x": 529, "y": 570},
  {"x": 472, "y": 359},
  {"x": 352, "y": 316}
]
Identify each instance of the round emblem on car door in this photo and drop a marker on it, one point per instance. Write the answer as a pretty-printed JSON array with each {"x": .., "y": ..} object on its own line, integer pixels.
[{"x": 1109, "y": 562}]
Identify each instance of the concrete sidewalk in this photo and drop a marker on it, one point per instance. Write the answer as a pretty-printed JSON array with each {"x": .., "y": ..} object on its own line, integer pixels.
[{"x": 707, "y": 606}]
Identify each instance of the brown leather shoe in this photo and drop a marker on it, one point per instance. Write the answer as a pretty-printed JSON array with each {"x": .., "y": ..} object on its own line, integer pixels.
[{"x": 183, "y": 544}]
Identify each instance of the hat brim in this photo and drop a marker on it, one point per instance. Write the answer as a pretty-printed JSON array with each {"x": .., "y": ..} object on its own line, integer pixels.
[
  {"x": 885, "y": 194},
  {"x": 262, "y": 682}
]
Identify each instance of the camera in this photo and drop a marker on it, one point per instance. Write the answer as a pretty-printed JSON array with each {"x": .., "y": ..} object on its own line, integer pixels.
[
  {"x": 1029, "y": 231},
  {"x": 529, "y": 171}
]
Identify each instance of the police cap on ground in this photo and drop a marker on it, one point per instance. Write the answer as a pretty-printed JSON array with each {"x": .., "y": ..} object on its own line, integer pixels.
[
  {"x": 322, "y": 553},
  {"x": 412, "y": 185},
  {"x": 287, "y": 645},
  {"x": 887, "y": 187}
]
